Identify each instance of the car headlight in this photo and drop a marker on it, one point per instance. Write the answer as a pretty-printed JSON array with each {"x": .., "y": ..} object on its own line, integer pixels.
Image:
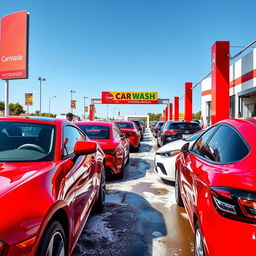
[{"x": 169, "y": 153}]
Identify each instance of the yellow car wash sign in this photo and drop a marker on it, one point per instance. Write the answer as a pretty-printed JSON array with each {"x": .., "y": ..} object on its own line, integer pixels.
[{"x": 129, "y": 97}]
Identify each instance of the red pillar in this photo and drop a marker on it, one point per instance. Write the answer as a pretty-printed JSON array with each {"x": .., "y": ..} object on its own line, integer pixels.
[
  {"x": 170, "y": 113},
  {"x": 220, "y": 81},
  {"x": 166, "y": 114},
  {"x": 91, "y": 112},
  {"x": 176, "y": 108},
  {"x": 188, "y": 102}
]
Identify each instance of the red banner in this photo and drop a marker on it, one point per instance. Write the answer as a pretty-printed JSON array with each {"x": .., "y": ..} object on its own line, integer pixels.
[{"x": 14, "y": 46}]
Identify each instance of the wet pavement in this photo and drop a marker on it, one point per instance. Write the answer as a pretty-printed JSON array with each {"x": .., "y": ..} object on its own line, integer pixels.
[{"x": 140, "y": 217}]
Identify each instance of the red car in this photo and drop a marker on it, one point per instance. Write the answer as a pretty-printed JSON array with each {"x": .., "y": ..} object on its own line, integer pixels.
[
  {"x": 129, "y": 128},
  {"x": 216, "y": 182},
  {"x": 51, "y": 175},
  {"x": 114, "y": 144}
]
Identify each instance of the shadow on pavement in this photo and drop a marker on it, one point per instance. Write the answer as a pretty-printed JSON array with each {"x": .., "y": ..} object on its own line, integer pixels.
[{"x": 127, "y": 227}]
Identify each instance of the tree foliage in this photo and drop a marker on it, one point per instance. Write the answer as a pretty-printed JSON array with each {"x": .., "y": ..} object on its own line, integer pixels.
[
  {"x": 15, "y": 108},
  {"x": 154, "y": 117},
  {"x": 197, "y": 115}
]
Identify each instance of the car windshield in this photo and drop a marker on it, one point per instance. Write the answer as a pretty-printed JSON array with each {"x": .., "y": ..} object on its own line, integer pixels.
[
  {"x": 95, "y": 131},
  {"x": 26, "y": 142},
  {"x": 184, "y": 126},
  {"x": 194, "y": 136},
  {"x": 124, "y": 125}
]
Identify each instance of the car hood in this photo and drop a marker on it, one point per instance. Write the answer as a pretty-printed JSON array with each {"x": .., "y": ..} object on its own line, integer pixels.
[
  {"x": 175, "y": 145},
  {"x": 13, "y": 174}
]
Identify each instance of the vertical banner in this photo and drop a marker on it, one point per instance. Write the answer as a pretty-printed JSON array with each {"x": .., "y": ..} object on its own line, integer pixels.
[
  {"x": 28, "y": 99},
  {"x": 73, "y": 104},
  {"x": 188, "y": 102},
  {"x": 220, "y": 81},
  {"x": 91, "y": 112},
  {"x": 176, "y": 108},
  {"x": 14, "y": 46}
]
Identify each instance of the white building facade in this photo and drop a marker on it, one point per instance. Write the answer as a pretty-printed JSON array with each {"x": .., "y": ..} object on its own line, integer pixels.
[{"x": 242, "y": 89}]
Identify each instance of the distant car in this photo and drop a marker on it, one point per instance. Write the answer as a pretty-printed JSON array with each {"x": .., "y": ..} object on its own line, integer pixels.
[
  {"x": 216, "y": 182},
  {"x": 156, "y": 128},
  {"x": 165, "y": 157},
  {"x": 51, "y": 176},
  {"x": 175, "y": 130},
  {"x": 139, "y": 127},
  {"x": 129, "y": 129},
  {"x": 114, "y": 144},
  {"x": 151, "y": 125}
]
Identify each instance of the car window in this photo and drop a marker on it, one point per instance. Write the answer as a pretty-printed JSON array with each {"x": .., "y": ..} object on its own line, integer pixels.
[
  {"x": 226, "y": 145},
  {"x": 26, "y": 142},
  {"x": 116, "y": 134},
  {"x": 202, "y": 140},
  {"x": 124, "y": 125},
  {"x": 71, "y": 136},
  {"x": 193, "y": 137},
  {"x": 95, "y": 131},
  {"x": 183, "y": 126}
]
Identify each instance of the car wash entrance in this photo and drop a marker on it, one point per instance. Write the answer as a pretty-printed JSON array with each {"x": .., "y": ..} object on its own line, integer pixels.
[{"x": 129, "y": 98}]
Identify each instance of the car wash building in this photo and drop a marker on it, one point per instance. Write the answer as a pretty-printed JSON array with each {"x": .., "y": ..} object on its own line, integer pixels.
[{"x": 242, "y": 89}]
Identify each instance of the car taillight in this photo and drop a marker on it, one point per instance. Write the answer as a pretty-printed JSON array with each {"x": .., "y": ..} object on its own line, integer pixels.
[
  {"x": 235, "y": 203},
  {"x": 170, "y": 132},
  {"x": 110, "y": 151},
  {"x": 2, "y": 246}
]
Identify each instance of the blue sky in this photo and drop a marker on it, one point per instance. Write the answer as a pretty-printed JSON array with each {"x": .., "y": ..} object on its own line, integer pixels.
[{"x": 124, "y": 45}]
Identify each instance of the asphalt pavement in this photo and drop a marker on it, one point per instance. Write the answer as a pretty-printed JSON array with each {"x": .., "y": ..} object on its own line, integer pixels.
[{"x": 140, "y": 217}]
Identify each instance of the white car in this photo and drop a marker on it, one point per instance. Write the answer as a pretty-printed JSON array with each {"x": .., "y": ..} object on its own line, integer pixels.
[{"x": 165, "y": 157}]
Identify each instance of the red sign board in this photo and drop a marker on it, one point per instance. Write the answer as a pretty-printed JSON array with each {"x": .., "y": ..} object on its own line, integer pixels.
[
  {"x": 14, "y": 46},
  {"x": 129, "y": 98}
]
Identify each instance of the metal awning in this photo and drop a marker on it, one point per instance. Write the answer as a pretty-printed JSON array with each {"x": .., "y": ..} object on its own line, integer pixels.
[{"x": 248, "y": 92}]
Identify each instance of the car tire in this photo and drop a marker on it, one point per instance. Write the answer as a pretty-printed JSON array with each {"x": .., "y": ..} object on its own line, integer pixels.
[
  {"x": 178, "y": 198},
  {"x": 53, "y": 241},
  {"x": 99, "y": 204},
  {"x": 198, "y": 242},
  {"x": 136, "y": 149}
]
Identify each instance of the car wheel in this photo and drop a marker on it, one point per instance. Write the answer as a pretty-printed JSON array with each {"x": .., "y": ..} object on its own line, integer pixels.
[
  {"x": 99, "y": 205},
  {"x": 53, "y": 241},
  {"x": 198, "y": 243},
  {"x": 177, "y": 190}
]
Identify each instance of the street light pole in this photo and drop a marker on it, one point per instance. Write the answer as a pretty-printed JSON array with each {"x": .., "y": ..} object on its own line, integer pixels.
[
  {"x": 84, "y": 107},
  {"x": 71, "y": 92},
  {"x": 50, "y": 103},
  {"x": 40, "y": 81}
]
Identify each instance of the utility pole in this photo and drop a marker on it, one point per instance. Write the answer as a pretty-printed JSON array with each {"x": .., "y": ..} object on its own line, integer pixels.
[
  {"x": 71, "y": 92},
  {"x": 40, "y": 81},
  {"x": 84, "y": 107}
]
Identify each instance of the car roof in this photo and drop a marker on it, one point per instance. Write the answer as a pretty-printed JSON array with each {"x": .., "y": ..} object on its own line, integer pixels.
[
  {"x": 34, "y": 119},
  {"x": 100, "y": 123},
  {"x": 129, "y": 122}
]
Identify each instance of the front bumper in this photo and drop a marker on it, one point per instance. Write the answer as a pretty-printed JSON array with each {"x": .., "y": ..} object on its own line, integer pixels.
[{"x": 165, "y": 167}]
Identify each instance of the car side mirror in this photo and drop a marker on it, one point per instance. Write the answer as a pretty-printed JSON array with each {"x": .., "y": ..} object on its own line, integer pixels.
[
  {"x": 185, "y": 148},
  {"x": 85, "y": 148}
]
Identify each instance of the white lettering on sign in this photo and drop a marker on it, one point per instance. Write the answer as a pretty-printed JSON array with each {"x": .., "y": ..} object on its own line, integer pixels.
[{"x": 11, "y": 58}]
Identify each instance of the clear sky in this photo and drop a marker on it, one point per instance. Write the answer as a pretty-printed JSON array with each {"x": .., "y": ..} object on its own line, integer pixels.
[{"x": 92, "y": 46}]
